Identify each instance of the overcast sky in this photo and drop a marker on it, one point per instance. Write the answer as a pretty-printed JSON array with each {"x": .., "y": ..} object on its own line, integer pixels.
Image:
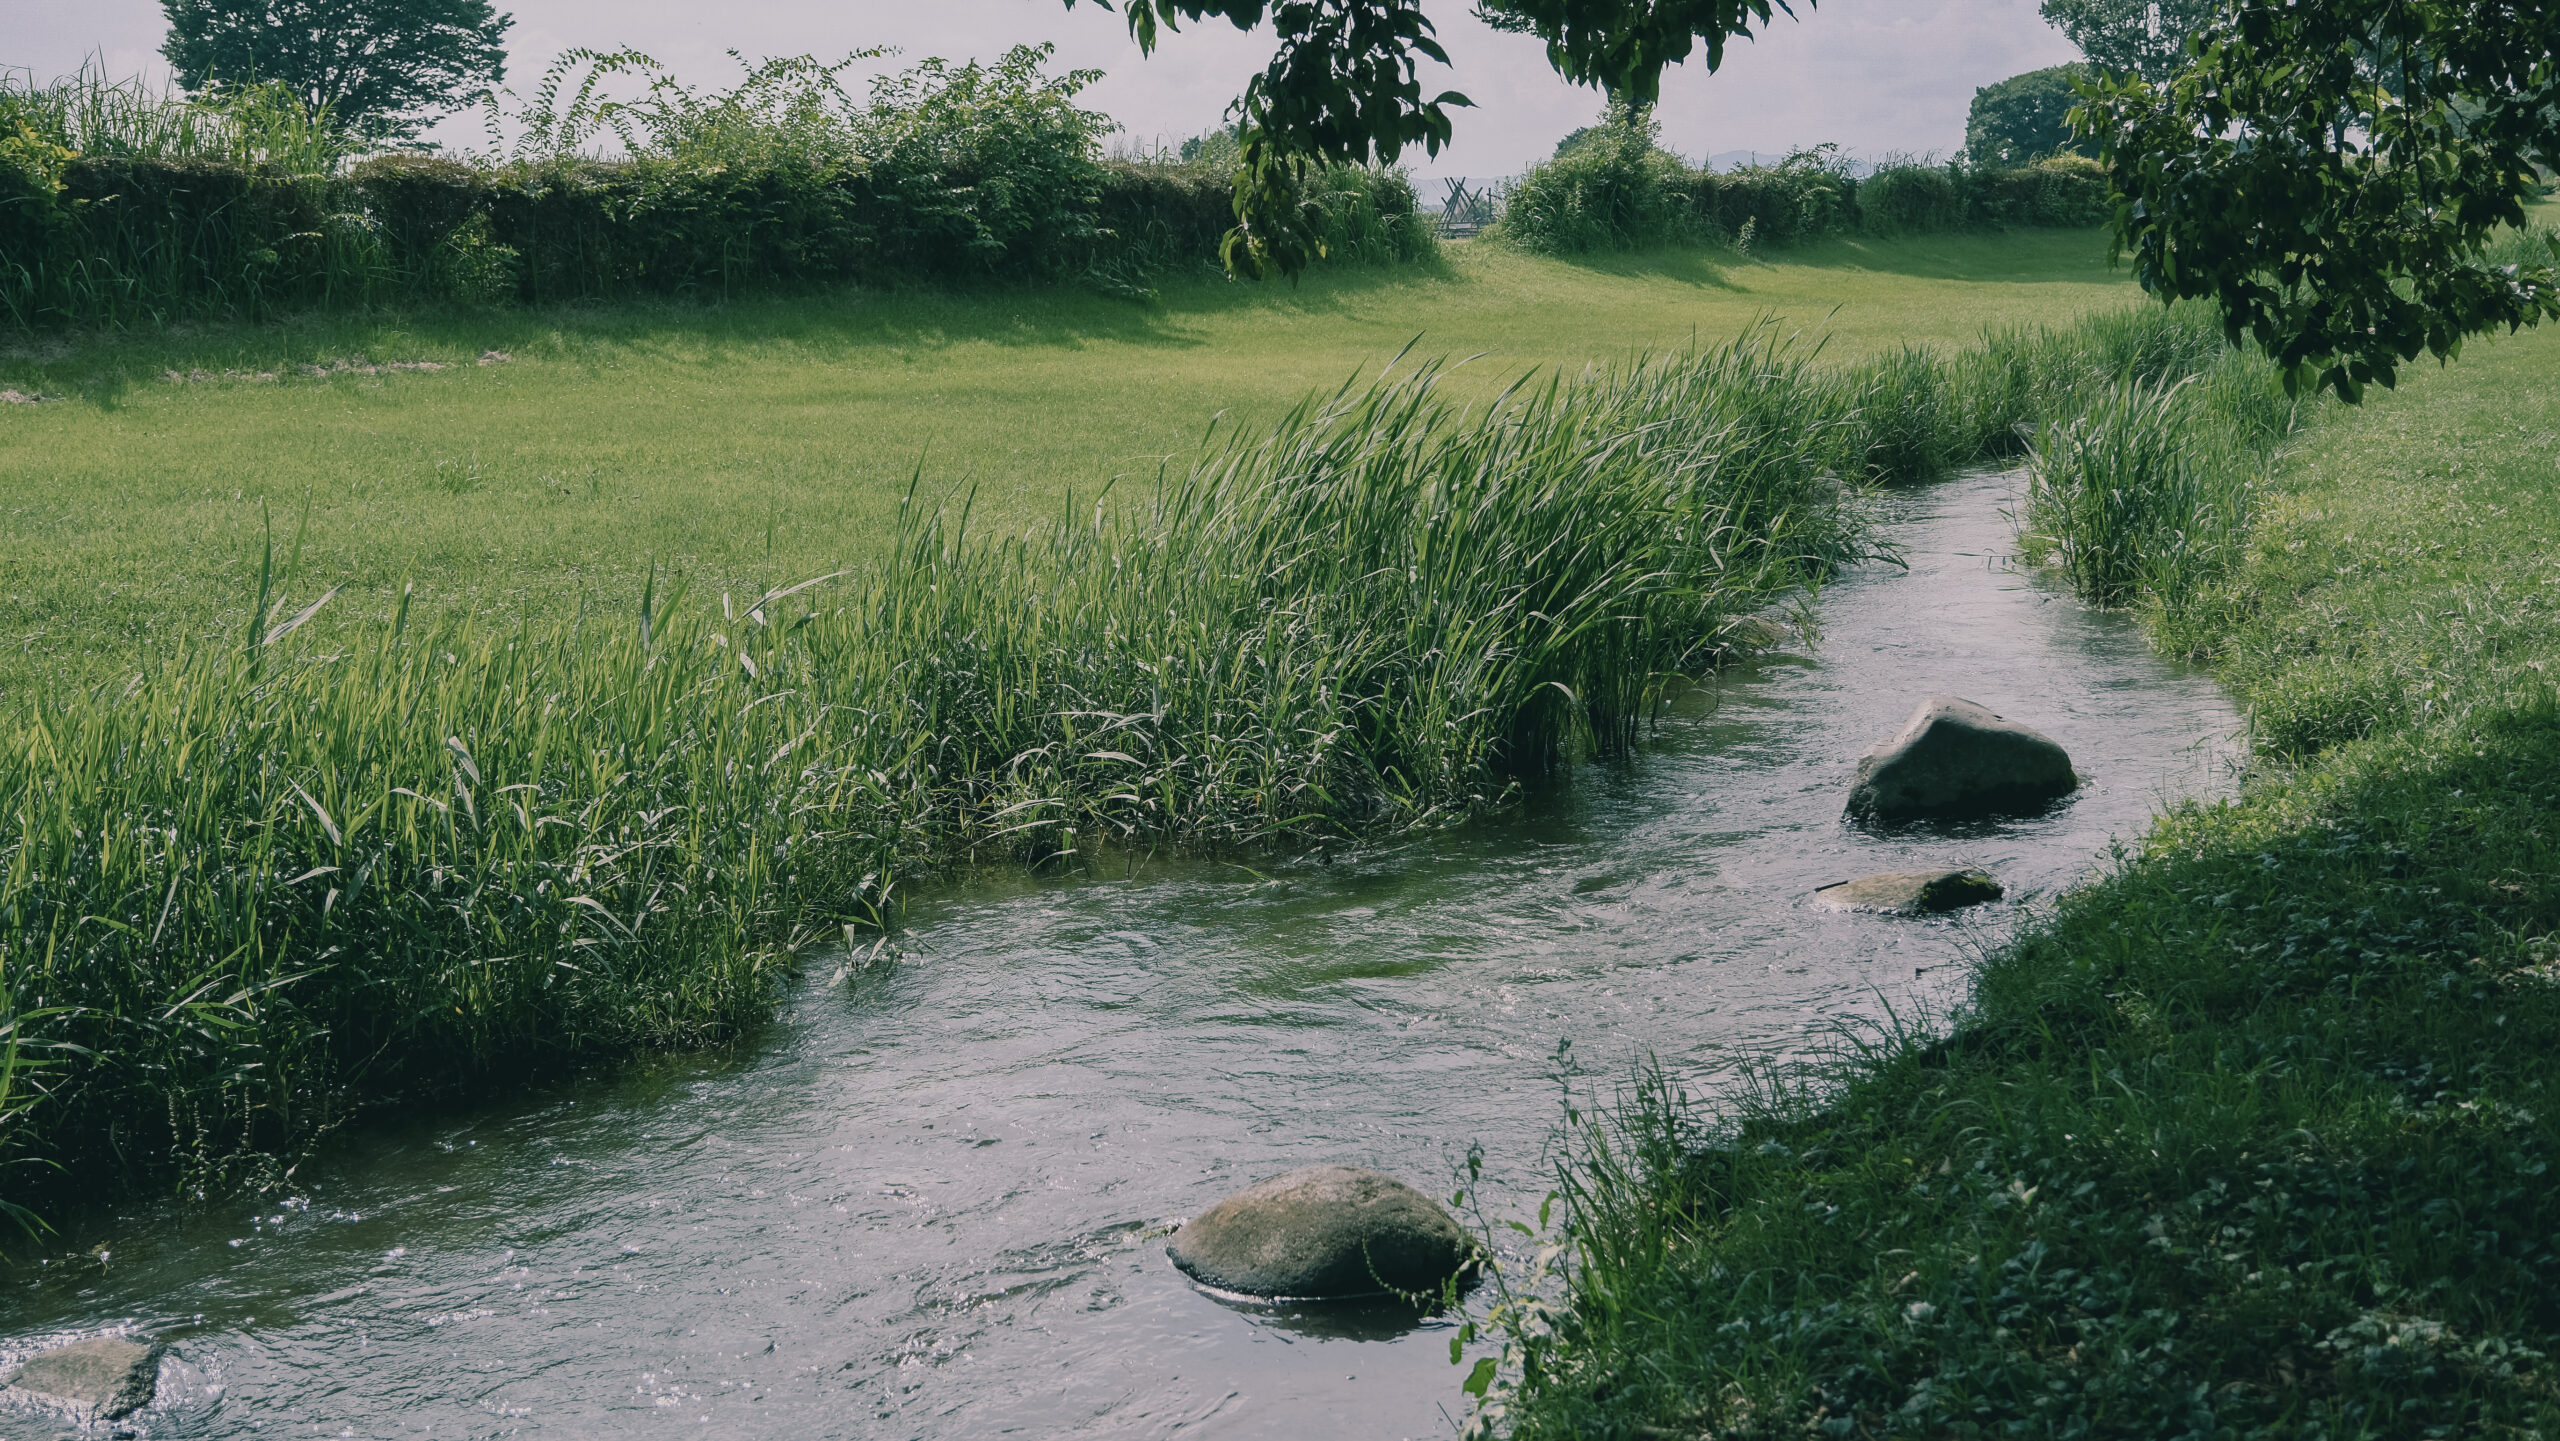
[{"x": 1876, "y": 76}]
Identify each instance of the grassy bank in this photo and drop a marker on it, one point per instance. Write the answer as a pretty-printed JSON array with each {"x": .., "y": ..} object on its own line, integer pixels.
[
  {"x": 2251, "y": 1137},
  {"x": 274, "y": 878},
  {"x": 763, "y": 442}
]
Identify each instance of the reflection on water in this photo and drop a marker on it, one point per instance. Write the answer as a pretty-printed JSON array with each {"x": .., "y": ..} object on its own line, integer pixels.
[{"x": 932, "y": 1201}]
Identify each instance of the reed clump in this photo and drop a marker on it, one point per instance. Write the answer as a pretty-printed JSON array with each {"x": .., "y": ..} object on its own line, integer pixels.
[{"x": 2143, "y": 472}]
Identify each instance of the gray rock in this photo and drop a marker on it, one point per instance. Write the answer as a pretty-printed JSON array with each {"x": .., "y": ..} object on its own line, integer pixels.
[
  {"x": 1954, "y": 759},
  {"x": 100, "y": 1378},
  {"x": 1324, "y": 1231},
  {"x": 1911, "y": 893}
]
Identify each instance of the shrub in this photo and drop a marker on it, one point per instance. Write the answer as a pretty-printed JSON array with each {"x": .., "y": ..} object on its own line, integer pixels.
[
  {"x": 1371, "y": 216},
  {"x": 1611, "y": 187}
]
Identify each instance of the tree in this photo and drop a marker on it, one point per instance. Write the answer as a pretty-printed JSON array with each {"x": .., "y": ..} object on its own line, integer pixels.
[
  {"x": 2332, "y": 175},
  {"x": 1343, "y": 88},
  {"x": 381, "y": 68},
  {"x": 2025, "y": 117},
  {"x": 2131, "y": 37}
]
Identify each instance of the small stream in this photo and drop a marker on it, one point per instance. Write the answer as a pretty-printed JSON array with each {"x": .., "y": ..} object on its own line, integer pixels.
[{"x": 930, "y": 1201}]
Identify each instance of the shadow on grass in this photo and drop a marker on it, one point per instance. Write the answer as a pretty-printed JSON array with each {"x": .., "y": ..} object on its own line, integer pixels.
[
  {"x": 2023, "y": 257},
  {"x": 102, "y": 367},
  {"x": 1705, "y": 268},
  {"x": 849, "y": 325}
]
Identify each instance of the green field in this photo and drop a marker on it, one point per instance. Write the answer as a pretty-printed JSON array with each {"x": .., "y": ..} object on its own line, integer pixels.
[{"x": 769, "y": 440}]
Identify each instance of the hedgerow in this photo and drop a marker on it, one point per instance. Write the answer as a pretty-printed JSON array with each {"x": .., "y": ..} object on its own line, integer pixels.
[
  {"x": 1616, "y": 188},
  {"x": 118, "y": 207}
]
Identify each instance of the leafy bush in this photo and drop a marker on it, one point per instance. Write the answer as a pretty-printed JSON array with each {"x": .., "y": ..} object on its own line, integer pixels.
[
  {"x": 1371, "y": 216},
  {"x": 1609, "y": 187},
  {"x": 2068, "y": 191}
]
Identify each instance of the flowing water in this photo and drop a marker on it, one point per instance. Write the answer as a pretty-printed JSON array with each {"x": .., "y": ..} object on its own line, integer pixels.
[{"x": 931, "y": 1200}]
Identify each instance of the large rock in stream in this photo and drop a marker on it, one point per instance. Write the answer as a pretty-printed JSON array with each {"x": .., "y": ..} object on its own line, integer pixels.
[
  {"x": 1954, "y": 759},
  {"x": 99, "y": 1379},
  {"x": 1324, "y": 1232}
]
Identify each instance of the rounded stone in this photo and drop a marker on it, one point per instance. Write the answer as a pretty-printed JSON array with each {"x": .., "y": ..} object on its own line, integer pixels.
[
  {"x": 101, "y": 1378},
  {"x": 1324, "y": 1232},
  {"x": 1954, "y": 759},
  {"x": 1911, "y": 892}
]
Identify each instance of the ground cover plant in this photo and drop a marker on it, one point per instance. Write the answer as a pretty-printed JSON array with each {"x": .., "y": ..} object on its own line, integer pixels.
[
  {"x": 2250, "y": 1137},
  {"x": 265, "y": 879},
  {"x": 762, "y": 441}
]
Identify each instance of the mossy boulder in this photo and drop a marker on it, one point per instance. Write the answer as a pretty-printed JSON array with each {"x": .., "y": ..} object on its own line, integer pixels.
[
  {"x": 1954, "y": 760},
  {"x": 1324, "y": 1232}
]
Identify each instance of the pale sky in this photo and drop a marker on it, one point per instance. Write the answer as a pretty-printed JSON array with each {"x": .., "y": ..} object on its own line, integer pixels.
[{"x": 1876, "y": 76}]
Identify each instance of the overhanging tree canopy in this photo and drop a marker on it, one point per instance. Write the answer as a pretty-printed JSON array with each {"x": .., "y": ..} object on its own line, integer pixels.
[{"x": 2330, "y": 173}]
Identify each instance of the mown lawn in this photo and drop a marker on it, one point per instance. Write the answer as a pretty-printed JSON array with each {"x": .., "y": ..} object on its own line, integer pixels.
[
  {"x": 771, "y": 439},
  {"x": 2253, "y": 1137}
]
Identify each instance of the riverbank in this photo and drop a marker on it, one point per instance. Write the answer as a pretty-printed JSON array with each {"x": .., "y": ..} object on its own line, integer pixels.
[
  {"x": 762, "y": 442},
  {"x": 282, "y": 876},
  {"x": 2251, "y": 1135},
  {"x": 933, "y": 1194}
]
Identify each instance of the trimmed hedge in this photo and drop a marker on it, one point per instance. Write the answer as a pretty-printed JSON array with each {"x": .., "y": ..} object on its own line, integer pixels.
[
  {"x": 1617, "y": 190},
  {"x": 122, "y": 240}
]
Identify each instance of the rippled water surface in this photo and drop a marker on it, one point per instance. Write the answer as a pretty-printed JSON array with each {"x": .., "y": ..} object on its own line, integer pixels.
[{"x": 930, "y": 1201}]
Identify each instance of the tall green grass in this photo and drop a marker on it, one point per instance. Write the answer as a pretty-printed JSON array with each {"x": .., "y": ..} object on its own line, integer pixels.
[
  {"x": 255, "y": 127},
  {"x": 2148, "y": 493},
  {"x": 2142, "y": 481},
  {"x": 255, "y": 886}
]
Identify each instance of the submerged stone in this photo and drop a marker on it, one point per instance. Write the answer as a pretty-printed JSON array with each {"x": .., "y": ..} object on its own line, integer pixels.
[
  {"x": 1911, "y": 893},
  {"x": 1324, "y": 1231},
  {"x": 100, "y": 1378},
  {"x": 1955, "y": 759}
]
